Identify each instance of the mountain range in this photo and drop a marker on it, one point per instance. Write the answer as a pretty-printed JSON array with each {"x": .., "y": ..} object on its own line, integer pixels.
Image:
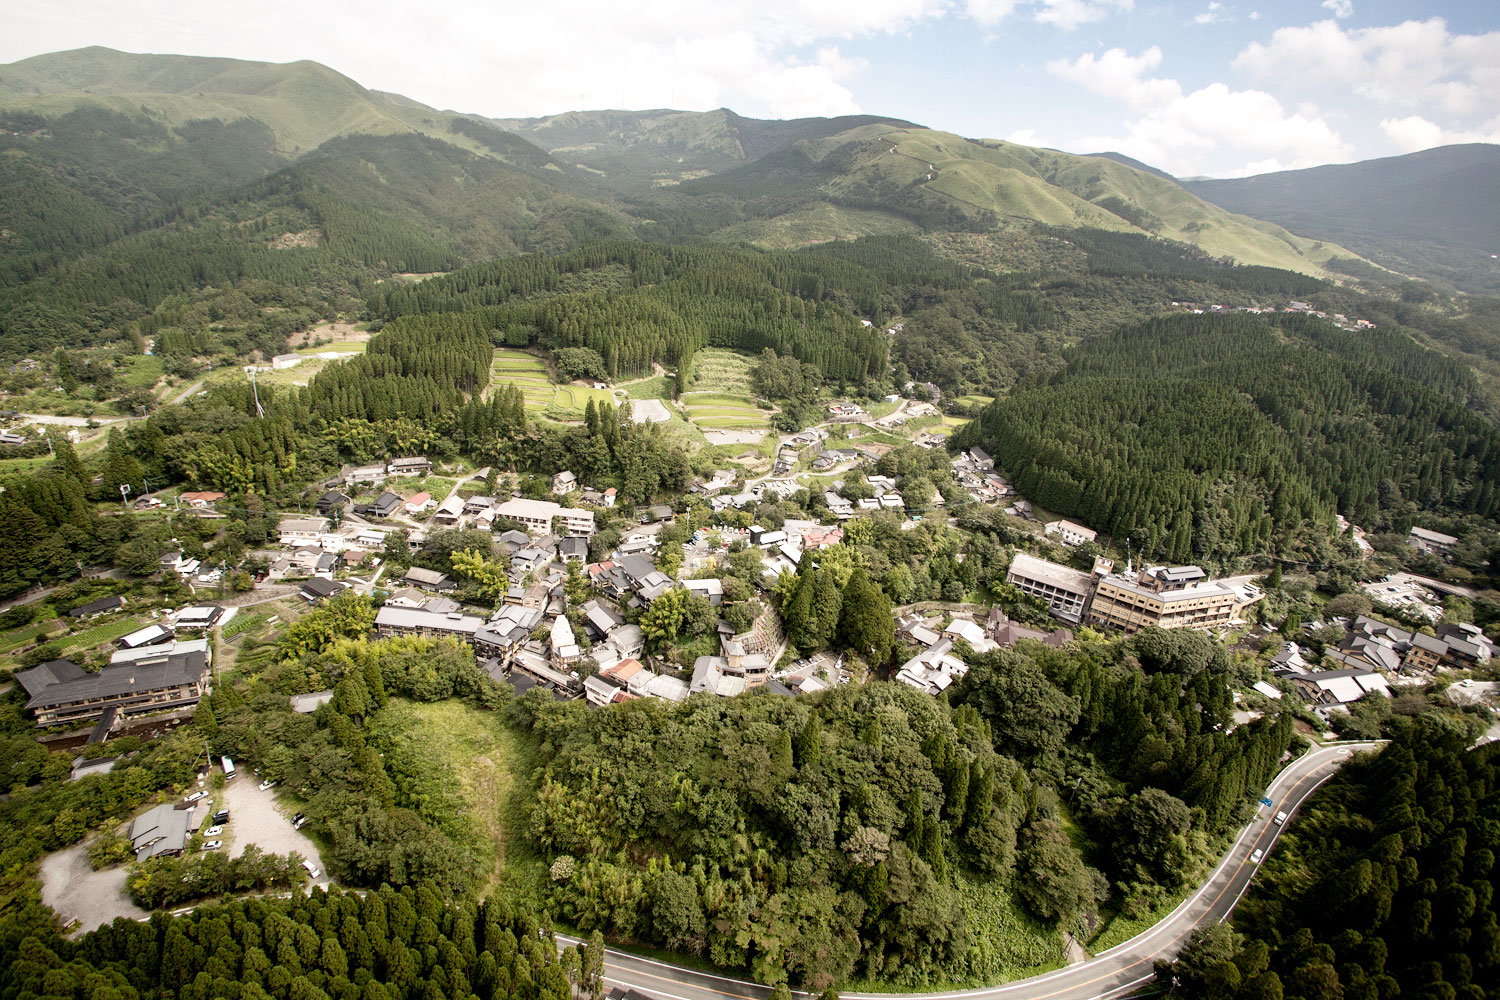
[{"x": 108, "y": 159}]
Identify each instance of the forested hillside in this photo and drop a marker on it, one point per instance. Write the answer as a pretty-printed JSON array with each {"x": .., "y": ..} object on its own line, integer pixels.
[
  {"x": 1432, "y": 214},
  {"x": 1200, "y": 437},
  {"x": 873, "y": 831},
  {"x": 1383, "y": 887}
]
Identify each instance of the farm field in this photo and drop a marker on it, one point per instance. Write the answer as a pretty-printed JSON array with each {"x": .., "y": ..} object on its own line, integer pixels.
[
  {"x": 725, "y": 400},
  {"x": 528, "y": 373}
]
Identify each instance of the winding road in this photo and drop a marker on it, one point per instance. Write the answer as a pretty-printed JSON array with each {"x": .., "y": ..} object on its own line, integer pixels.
[{"x": 1110, "y": 974}]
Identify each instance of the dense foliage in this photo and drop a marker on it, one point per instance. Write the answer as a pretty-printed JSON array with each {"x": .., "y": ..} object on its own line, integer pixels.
[
  {"x": 1201, "y": 437},
  {"x": 410, "y": 944},
  {"x": 837, "y": 834},
  {"x": 1383, "y": 887}
]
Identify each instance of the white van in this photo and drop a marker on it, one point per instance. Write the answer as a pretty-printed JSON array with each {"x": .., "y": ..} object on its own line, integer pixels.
[
  {"x": 229, "y": 771},
  {"x": 313, "y": 870},
  {"x": 1280, "y": 818}
]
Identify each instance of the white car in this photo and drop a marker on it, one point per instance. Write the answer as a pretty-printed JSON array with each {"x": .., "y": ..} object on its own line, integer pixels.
[
  {"x": 195, "y": 797},
  {"x": 213, "y": 831},
  {"x": 1255, "y": 858},
  {"x": 212, "y": 845},
  {"x": 312, "y": 870},
  {"x": 264, "y": 785},
  {"x": 1280, "y": 818}
]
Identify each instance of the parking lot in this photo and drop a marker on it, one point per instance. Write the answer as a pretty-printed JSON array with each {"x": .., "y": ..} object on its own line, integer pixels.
[
  {"x": 255, "y": 817},
  {"x": 76, "y": 892}
]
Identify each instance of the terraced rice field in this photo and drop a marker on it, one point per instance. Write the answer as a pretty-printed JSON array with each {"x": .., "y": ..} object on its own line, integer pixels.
[
  {"x": 529, "y": 374},
  {"x": 723, "y": 411}
]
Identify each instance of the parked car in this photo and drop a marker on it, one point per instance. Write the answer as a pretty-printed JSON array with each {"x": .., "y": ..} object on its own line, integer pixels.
[
  {"x": 213, "y": 831},
  {"x": 264, "y": 785},
  {"x": 212, "y": 845},
  {"x": 312, "y": 870},
  {"x": 221, "y": 817},
  {"x": 1255, "y": 858},
  {"x": 298, "y": 821},
  {"x": 196, "y": 796}
]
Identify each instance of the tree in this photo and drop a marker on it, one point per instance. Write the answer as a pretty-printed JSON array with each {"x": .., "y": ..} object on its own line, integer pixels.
[
  {"x": 1054, "y": 883},
  {"x": 663, "y": 620},
  {"x": 488, "y": 575},
  {"x": 1029, "y": 715},
  {"x": 866, "y": 625}
]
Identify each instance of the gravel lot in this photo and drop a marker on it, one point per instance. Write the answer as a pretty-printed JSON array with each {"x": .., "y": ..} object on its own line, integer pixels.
[
  {"x": 77, "y": 892},
  {"x": 255, "y": 817}
]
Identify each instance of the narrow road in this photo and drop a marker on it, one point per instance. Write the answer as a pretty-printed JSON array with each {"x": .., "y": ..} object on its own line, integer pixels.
[
  {"x": 1109, "y": 974},
  {"x": 184, "y": 394}
]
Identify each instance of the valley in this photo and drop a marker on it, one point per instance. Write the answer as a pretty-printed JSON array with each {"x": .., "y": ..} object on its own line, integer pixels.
[{"x": 665, "y": 550}]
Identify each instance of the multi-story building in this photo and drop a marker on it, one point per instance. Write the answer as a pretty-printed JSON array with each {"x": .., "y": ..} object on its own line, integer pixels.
[
  {"x": 391, "y": 621},
  {"x": 62, "y": 693},
  {"x": 1071, "y": 533},
  {"x": 1066, "y": 591},
  {"x": 537, "y": 516},
  {"x": 1161, "y": 597}
]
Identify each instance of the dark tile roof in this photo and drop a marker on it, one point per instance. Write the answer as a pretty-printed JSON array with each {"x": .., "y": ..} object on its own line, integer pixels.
[{"x": 171, "y": 670}]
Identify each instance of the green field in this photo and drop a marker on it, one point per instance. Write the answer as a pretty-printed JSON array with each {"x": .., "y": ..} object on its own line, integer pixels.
[
  {"x": 528, "y": 373},
  {"x": 974, "y": 399},
  {"x": 723, "y": 397}
]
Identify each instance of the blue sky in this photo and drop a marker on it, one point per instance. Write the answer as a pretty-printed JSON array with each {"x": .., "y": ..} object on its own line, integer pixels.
[{"x": 1210, "y": 87}]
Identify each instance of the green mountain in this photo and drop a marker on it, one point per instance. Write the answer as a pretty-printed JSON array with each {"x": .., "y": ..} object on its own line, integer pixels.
[
  {"x": 635, "y": 150},
  {"x": 922, "y": 178},
  {"x": 1433, "y": 214}
]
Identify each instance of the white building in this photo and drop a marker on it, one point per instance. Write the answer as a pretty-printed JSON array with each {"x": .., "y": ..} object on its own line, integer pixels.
[{"x": 1070, "y": 533}]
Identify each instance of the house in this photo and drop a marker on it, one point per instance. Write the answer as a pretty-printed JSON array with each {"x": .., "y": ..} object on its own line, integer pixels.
[
  {"x": 302, "y": 529},
  {"x": 1431, "y": 542},
  {"x": 450, "y": 511},
  {"x": 933, "y": 670},
  {"x": 355, "y": 558},
  {"x": 381, "y": 507},
  {"x": 837, "y": 505},
  {"x": 201, "y": 499},
  {"x": 968, "y": 631},
  {"x": 528, "y": 560},
  {"x": 1067, "y": 591},
  {"x": 162, "y": 830},
  {"x": 151, "y": 635},
  {"x": 331, "y": 501},
  {"x": 564, "y": 483},
  {"x": 93, "y": 609},
  {"x": 391, "y": 621},
  {"x": 15, "y": 440},
  {"x": 731, "y": 673},
  {"x": 563, "y": 644},
  {"x": 406, "y": 597},
  {"x": 318, "y": 590},
  {"x": 573, "y": 549},
  {"x": 711, "y": 589},
  {"x": 478, "y": 505},
  {"x": 63, "y": 694},
  {"x": 654, "y": 513},
  {"x": 371, "y": 475},
  {"x": 284, "y": 361},
  {"x": 199, "y": 616},
  {"x": 418, "y": 503},
  {"x": 414, "y": 466},
  {"x": 1339, "y": 687},
  {"x": 1070, "y": 533},
  {"x": 601, "y": 621},
  {"x": 429, "y": 579}
]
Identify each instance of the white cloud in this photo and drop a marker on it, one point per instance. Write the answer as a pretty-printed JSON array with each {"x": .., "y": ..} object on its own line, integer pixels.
[
  {"x": 1340, "y": 9},
  {"x": 514, "y": 59},
  {"x": 1414, "y": 132},
  {"x": 1415, "y": 64},
  {"x": 1214, "y": 13},
  {"x": 1069, "y": 14},
  {"x": 988, "y": 13},
  {"x": 1186, "y": 133}
]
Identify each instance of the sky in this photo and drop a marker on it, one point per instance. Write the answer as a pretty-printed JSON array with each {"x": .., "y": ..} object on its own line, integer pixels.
[{"x": 1221, "y": 88}]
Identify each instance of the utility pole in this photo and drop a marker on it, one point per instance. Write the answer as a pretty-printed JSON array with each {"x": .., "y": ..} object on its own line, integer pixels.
[{"x": 259, "y": 411}]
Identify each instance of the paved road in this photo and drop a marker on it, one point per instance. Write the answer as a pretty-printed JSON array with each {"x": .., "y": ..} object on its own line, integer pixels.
[{"x": 1111, "y": 973}]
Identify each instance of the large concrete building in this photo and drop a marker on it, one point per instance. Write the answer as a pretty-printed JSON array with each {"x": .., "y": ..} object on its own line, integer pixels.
[
  {"x": 1163, "y": 597},
  {"x": 1065, "y": 590},
  {"x": 62, "y": 693}
]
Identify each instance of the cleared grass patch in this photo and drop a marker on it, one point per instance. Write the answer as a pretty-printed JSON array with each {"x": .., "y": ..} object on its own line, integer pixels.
[
  {"x": 974, "y": 399},
  {"x": 483, "y": 759},
  {"x": 721, "y": 370}
]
